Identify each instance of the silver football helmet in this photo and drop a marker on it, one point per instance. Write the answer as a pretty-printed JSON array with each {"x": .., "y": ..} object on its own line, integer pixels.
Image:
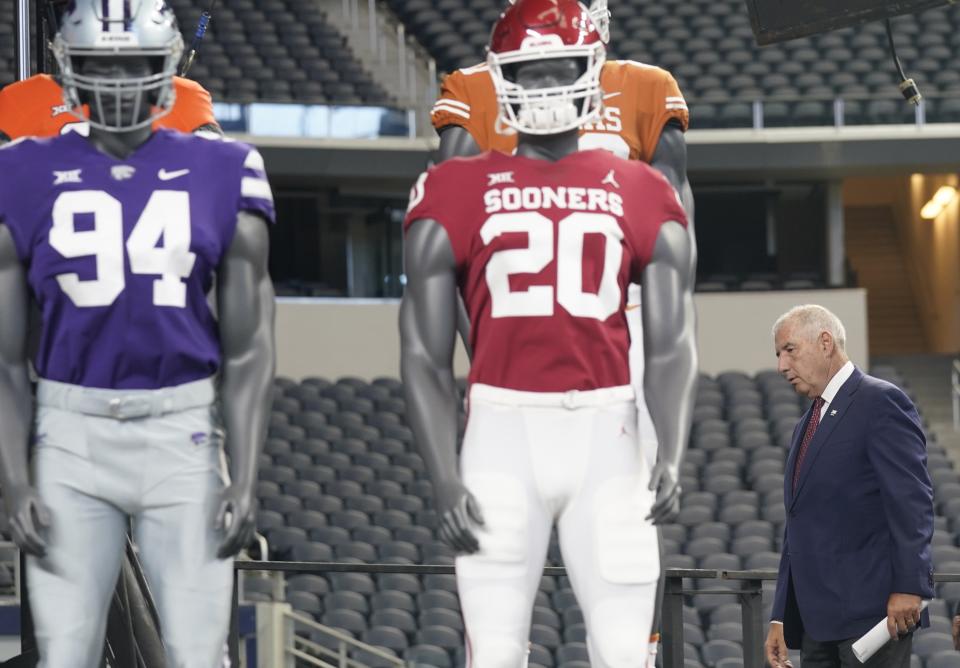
[{"x": 118, "y": 28}]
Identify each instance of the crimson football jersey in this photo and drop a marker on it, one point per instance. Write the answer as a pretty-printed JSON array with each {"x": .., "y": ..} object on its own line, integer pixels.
[{"x": 544, "y": 253}]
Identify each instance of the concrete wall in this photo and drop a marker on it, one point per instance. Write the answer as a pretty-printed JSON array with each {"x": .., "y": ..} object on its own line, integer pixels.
[
  {"x": 333, "y": 338},
  {"x": 931, "y": 248}
]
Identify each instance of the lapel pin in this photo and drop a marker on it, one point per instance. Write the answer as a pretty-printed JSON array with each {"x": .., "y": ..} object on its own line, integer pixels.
[{"x": 833, "y": 412}]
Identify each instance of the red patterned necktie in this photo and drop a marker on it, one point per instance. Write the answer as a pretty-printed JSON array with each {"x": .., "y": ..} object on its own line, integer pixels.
[{"x": 807, "y": 437}]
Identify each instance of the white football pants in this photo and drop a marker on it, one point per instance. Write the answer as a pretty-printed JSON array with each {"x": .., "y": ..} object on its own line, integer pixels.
[
  {"x": 532, "y": 459},
  {"x": 165, "y": 471}
]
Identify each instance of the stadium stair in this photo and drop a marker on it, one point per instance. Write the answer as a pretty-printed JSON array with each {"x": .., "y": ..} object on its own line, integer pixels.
[
  {"x": 411, "y": 83},
  {"x": 873, "y": 249},
  {"x": 928, "y": 379}
]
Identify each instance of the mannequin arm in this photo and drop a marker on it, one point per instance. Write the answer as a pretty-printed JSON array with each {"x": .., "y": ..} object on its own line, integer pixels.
[
  {"x": 670, "y": 159},
  {"x": 456, "y": 142},
  {"x": 428, "y": 319},
  {"x": 246, "y": 309},
  {"x": 670, "y": 370},
  {"x": 27, "y": 513}
]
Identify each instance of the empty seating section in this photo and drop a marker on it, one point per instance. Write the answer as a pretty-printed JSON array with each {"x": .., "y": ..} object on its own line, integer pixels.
[
  {"x": 286, "y": 51},
  {"x": 258, "y": 50},
  {"x": 710, "y": 48},
  {"x": 341, "y": 480},
  {"x": 277, "y": 51}
]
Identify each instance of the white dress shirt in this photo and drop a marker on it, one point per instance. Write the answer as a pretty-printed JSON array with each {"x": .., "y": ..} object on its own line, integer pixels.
[{"x": 830, "y": 391}]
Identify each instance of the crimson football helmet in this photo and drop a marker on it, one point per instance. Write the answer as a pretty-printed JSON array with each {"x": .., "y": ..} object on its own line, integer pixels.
[
  {"x": 531, "y": 30},
  {"x": 600, "y": 13}
]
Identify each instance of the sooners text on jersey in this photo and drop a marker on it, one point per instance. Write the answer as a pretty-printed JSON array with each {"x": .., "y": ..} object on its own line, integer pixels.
[
  {"x": 639, "y": 100},
  {"x": 120, "y": 254},
  {"x": 544, "y": 252}
]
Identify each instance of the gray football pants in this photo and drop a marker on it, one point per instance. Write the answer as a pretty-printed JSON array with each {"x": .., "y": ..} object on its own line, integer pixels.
[{"x": 157, "y": 459}]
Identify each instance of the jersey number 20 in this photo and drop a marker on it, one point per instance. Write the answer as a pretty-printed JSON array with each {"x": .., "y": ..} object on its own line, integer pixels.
[
  {"x": 166, "y": 216},
  {"x": 538, "y": 300}
]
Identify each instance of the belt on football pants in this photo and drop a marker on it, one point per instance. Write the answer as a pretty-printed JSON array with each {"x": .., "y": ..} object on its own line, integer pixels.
[
  {"x": 126, "y": 404},
  {"x": 603, "y": 396}
]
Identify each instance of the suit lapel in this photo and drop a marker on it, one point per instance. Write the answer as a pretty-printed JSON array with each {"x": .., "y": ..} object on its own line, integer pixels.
[{"x": 831, "y": 418}]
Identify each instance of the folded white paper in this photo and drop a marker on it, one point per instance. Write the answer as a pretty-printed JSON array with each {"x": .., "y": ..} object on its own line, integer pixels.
[{"x": 875, "y": 638}]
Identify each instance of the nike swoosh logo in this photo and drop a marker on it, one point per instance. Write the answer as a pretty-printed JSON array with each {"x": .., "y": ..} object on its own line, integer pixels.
[
  {"x": 631, "y": 307},
  {"x": 164, "y": 175},
  {"x": 613, "y": 94}
]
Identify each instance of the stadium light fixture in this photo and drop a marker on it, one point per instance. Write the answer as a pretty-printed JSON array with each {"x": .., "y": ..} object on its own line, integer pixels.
[{"x": 940, "y": 201}]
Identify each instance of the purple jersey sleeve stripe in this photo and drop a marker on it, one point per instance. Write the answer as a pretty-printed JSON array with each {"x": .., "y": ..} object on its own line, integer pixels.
[
  {"x": 255, "y": 192},
  {"x": 263, "y": 207}
]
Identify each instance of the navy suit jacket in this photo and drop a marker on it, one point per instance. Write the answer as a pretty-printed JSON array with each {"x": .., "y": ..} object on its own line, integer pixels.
[{"x": 859, "y": 526}]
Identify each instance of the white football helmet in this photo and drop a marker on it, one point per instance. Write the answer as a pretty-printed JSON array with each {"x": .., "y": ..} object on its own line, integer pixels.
[
  {"x": 600, "y": 13},
  {"x": 535, "y": 30},
  {"x": 118, "y": 28}
]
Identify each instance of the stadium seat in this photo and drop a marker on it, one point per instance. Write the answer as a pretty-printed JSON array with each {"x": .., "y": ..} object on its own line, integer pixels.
[
  {"x": 440, "y": 636},
  {"x": 928, "y": 643},
  {"x": 572, "y": 651},
  {"x": 713, "y": 651},
  {"x": 944, "y": 659},
  {"x": 427, "y": 656}
]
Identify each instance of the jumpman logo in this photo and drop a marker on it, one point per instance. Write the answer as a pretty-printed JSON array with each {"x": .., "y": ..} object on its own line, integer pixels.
[{"x": 610, "y": 180}]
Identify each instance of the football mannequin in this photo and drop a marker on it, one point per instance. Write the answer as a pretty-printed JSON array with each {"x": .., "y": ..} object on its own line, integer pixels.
[
  {"x": 118, "y": 236},
  {"x": 542, "y": 246},
  {"x": 35, "y": 107},
  {"x": 644, "y": 118}
]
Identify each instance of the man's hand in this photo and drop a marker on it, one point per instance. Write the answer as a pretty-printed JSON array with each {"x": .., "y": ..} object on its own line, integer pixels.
[
  {"x": 236, "y": 518},
  {"x": 776, "y": 647},
  {"x": 459, "y": 514},
  {"x": 956, "y": 632},
  {"x": 29, "y": 518},
  {"x": 665, "y": 480},
  {"x": 903, "y": 614}
]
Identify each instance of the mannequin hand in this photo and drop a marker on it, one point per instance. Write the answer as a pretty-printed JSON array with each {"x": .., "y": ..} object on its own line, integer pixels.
[
  {"x": 236, "y": 518},
  {"x": 665, "y": 481},
  {"x": 29, "y": 516},
  {"x": 459, "y": 513}
]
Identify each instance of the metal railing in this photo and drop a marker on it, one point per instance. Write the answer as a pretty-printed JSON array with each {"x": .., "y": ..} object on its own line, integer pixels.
[
  {"x": 837, "y": 115},
  {"x": 748, "y": 592},
  {"x": 315, "y": 654},
  {"x": 10, "y": 592},
  {"x": 955, "y": 393}
]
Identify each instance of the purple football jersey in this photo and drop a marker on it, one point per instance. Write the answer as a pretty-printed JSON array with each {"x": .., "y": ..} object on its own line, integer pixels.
[{"x": 120, "y": 254}]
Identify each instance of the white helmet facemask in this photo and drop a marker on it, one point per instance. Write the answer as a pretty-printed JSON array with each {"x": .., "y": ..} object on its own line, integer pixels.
[
  {"x": 543, "y": 111},
  {"x": 600, "y": 13}
]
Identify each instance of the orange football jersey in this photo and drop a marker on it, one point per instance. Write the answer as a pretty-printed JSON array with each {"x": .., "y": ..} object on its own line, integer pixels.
[
  {"x": 638, "y": 101},
  {"x": 34, "y": 107}
]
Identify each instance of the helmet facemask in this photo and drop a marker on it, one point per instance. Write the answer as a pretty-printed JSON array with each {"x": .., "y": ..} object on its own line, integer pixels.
[
  {"x": 554, "y": 109},
  {"x": 600, "y": 14},
  {"x": 116, "y": 103}
]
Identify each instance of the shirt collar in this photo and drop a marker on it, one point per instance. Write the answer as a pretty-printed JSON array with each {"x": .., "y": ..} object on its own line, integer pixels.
[{"x": 839, "y": 378}]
